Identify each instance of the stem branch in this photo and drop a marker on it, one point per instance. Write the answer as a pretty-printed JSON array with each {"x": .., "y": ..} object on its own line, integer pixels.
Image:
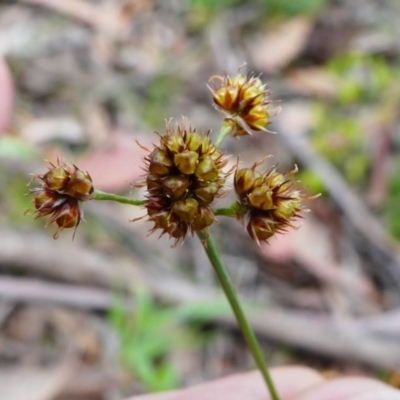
[
  {"x": 99, "y": 195},
  {"x": 226, "y": 130}
]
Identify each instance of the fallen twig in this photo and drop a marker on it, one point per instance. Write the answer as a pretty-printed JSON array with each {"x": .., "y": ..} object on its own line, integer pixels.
[{"x": 339, "y": 339}]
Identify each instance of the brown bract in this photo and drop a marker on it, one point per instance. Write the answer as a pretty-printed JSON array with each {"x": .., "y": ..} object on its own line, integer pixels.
[
  {"x": 243, "y": 102},
  {"x": 184, "y": 174},
  {"x": 61, "y": 190}
]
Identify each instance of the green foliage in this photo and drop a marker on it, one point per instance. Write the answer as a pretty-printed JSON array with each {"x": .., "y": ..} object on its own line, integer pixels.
[
  {"x": 151, "y": 333},
  {"x": 147, "y": 336},
  {"x": 280, "y": 7},
  {"x": 311, "y": 181},
  {"x": 392, "y": 207},
  {"x": 16, "y": 149},
  {"x": 203, "y": 11},
  {"x": 212, "y": 5},
  {"x": 363, "y": 78},
  {"x": 293, "y": 8},
  {"x": 158, "y": 98},
  {"x": 340, "y": 138},
  {"x": 364, "y": 82},
  {"x": 13, "y": 194},
  {"x": 14, "y": 200}
]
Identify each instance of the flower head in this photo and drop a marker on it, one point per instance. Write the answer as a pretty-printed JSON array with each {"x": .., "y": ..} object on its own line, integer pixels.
[
  {"x": 184, "y": 174},
  {"x": 244, "y": 102},
  {"x": 269, "y": 201},
  {"x": 61, "y": 190}
]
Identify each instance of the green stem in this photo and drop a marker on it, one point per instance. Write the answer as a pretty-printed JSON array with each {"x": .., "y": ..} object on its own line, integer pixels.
[
  {"x": 215, "y": 259},
  {"x": 226, "y": 212},
  {"x": 226, "y": 130},
  {"x": 234, "y": 210},
  {"x": 99, "y": 195}
]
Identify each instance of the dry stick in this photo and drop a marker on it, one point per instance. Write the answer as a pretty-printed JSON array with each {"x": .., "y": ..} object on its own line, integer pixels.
[
  {"x": 352, "y": 207},
  {"x": 28, "y": 290},
  {"x": 347, "y": 340}
]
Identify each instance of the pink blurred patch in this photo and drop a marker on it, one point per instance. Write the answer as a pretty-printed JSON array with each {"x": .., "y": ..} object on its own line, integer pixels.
[
  {"x": 6, "y": 96},
  {"x": 281, "y": 248},
  {"x": 114, "y": 167}
]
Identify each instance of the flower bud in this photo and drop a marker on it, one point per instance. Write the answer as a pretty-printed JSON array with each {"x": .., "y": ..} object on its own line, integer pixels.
[
  {"x": 80, "y": 185},
  {"x": 56, "y": 178},
  {"x": 287, "y": 208},
  {"x": 154, "y": 185},
  {"x": 186, "y": 161},
  {"x": 46, "y": 199},
  {"x": 174, "y": 142},
  {"x": 261, "y": 197},
  {"x": 175, "y": 186},
  {"x": 261, "y": 228},
  {"x": 196, "y": 142},
  {"x": 186, "y": 209},
  {"x": 203, "y": 218},
  {"x": 206, "y": 169},
  {"x": 68, "y": 215},
  {"x": 205, "y": 192},
  {"x": 245, "y": 180},
  {"x": 160, "y": 163}
]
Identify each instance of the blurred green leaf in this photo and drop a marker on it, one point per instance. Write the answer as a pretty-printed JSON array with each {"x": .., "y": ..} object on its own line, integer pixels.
[
  {"x": 392, "y": 206},
  {"x": 16, "y": 148},
  {"x": 312, "y": 181},
  {"x": 294, "y": 8},
  {"x": 203, "y": 311},
  {"x": 150, "y": 333},
  {"x": 159, "y": 98},
  {"x": 212, "y": 5}
]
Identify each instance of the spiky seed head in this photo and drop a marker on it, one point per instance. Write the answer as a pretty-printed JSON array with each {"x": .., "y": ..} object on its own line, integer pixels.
[
  {"x": 80, "y": 185},
  {"x": 59, "y": 194},
  {"x": 243, "y": 101},
  {"x": 57, "y": 177},
  {"x": 184, "y": 176},
  {"x": 68, "y": 215},
  {"x": 269, "y": 201}
]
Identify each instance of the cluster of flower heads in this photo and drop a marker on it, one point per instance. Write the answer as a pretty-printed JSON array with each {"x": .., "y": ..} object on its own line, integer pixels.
[
  {"x": 268, "y": 201},
  {"x": 184, "y": 174},
  {"x": 243, "y": 101},
  {"x": 62, "y": 189}
]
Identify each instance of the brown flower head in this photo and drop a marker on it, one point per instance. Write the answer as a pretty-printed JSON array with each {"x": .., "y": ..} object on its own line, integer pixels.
[
  {"x": 61, "y": 190},
  {"x": 243, "y": 101},
  {"x": 269, "y": 201},
  {"x": 183, "y": 176}
]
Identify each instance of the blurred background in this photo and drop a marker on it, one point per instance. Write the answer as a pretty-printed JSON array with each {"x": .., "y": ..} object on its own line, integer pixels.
[{"x": 113, "y": 313}]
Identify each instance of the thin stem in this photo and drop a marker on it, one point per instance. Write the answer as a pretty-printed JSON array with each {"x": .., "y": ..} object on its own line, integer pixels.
[
  {"x": 226, "y": 212},
  {"x": 215, "y": 259},
  {"x": 234, "y": 210},
  {"x": 99, "y": 195},
  {"x": 226, "y": 130}
]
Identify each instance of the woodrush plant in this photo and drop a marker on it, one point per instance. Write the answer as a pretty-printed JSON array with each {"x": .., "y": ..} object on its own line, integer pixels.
[{"x": 184, "y": 173}]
